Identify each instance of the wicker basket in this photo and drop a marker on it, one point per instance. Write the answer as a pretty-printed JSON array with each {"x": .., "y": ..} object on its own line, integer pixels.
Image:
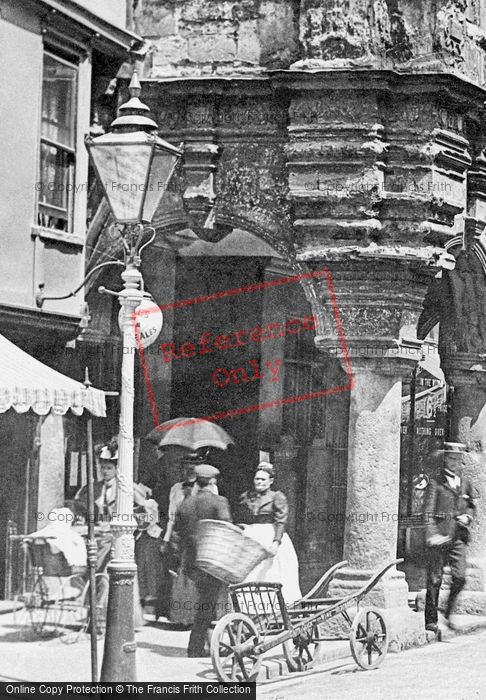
[{"x": 225, "y": 552}]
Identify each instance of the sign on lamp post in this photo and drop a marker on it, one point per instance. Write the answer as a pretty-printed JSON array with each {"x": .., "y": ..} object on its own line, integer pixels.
[{"x": 148, "y": 318}]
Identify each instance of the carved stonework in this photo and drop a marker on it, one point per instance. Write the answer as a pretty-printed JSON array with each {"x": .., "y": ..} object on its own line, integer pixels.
[
  {"x": 463, "y": 317},
  {"x": 250, "y": 113},
  {"x": 331, "y": 30},
  {"x": 200, "y": 159},
  {"x": 251, "y": 182},
  {"x": 377, "y": 303},
  {"x": 170, "y": 113},
  {"x": 476, "y": 190},
  {"x": 200, "y": 113},
  {"x": 337, "y": 106},
  {"x": 451, "y": 32}
]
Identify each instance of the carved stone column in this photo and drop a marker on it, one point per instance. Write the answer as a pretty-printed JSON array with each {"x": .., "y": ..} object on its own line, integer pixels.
[
  {"x": 371, "y": 528},
  {"x": 379, "y": 303},
  {"x": 468, "y": 425}
]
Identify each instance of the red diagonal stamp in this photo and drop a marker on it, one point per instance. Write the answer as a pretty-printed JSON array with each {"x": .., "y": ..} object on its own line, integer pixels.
[{"x": 224, "y": 360}]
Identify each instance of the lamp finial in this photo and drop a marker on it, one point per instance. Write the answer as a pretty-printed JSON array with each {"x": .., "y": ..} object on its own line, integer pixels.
[{"x": 134, "y": 88}]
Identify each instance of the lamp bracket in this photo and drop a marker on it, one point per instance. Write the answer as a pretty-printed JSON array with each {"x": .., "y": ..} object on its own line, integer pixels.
[
  {"x": 104, "y": 290},
  {"x": 40, "y": 297}
]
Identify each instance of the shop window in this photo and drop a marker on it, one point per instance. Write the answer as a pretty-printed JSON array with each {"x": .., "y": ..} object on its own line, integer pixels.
[{"x": 57, "y": 144}]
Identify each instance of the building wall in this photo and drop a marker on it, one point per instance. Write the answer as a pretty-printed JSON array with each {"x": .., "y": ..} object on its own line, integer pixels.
[
  {"x": 40, "y": 256},
  {"x": 193, "y": 37},
  {"x": 44, "y": 255},
  {"x": 20, "y": 90},
  {"x": 114, "y": 11},
  {"x": 197, "y": 37}
]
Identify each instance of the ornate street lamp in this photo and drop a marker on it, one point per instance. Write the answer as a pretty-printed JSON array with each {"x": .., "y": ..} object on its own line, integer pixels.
[{"x": 134, "y": 167}]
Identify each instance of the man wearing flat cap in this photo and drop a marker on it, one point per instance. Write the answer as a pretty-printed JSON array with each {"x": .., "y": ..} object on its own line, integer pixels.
[
  {"x": 449, "y": 510},
  {"x": 202, "y": 505}
]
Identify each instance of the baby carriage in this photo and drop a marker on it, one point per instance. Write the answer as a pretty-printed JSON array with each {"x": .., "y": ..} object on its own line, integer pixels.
[{"x": 54, "y": 600}]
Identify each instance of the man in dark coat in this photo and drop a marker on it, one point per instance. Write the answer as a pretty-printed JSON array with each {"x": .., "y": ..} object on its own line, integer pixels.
[
  {"x": 449, "y": 510},
  {"x": 204, "y": 504}
]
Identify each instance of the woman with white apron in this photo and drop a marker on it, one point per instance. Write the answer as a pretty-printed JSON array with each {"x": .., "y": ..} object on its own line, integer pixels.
[{"x": 263, "y": 513}]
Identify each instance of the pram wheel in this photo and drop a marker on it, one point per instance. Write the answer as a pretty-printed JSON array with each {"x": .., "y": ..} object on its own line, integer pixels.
[
  {"x": 80, "y": 617},
  {"x": 37, "y": 613}
]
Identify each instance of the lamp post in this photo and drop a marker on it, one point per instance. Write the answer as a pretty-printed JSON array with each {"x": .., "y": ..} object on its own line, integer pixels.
[{"x": 134, "y": 166}]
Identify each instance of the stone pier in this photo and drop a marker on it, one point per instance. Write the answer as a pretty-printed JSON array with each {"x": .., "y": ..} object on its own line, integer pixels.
[{"x": 371, "y": 530}]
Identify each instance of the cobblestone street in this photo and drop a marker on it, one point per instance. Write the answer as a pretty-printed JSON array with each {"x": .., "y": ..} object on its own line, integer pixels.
[{"x": 453, "y": 670}]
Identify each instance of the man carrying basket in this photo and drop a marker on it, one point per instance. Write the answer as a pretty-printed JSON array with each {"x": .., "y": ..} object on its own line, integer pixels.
[{"x": 204, "y": 504}]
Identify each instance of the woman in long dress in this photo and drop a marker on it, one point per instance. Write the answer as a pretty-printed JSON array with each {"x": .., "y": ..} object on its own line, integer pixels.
[
  {"x": 153, "y": 577},
  {"x": 264, "y": 514}
]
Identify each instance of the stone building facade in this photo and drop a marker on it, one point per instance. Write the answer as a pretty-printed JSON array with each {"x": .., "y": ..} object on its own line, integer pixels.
[{"x": 340, "y": 136}]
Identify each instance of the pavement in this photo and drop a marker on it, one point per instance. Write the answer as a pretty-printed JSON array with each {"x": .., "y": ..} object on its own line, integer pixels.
[
  {"x": 161, "y": 652},
  {"x": 454, "y": 670}
]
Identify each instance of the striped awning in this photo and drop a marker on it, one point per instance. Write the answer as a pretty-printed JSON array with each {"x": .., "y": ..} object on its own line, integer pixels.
[{"x": 27, "y": 384}]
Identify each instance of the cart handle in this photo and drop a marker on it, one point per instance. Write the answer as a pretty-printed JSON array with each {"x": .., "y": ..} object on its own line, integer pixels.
[
  {"x": 373, "y": 581},
  {"x": 325, "y": 614},
  {"x": 323, "y": 581}
]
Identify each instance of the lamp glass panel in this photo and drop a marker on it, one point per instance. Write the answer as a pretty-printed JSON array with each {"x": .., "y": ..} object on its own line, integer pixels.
[
  {"x": 122, "y": 168},
  {"x": 163, "y": 164}
]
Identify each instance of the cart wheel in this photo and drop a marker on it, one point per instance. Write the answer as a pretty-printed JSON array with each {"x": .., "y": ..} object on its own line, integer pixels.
[
  {"x": 369, "y": 639},
  {"x": 232, "y": 649},
  {"x": 300, "y": 652}
]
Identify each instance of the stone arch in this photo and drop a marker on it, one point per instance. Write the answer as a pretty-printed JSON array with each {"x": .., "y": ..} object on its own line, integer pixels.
[
  {"x": 280, "y": 239},
  {"x": 172, "y": 218}
]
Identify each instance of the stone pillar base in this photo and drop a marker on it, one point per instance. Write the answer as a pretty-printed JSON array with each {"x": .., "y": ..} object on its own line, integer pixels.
[
  {"x": 471, "y": 600},
  {"x": 391, "y": 590},
  {"x": 406, "y": 627},
  {"x": 467, "y": 603}
]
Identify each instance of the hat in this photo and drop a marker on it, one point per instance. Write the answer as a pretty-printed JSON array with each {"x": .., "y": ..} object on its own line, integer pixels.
[
  {"x": 266, "y": 467},
  {"x": 454, "y": 448},
  {"x": 207, "y": 471},
  {"x": 107, "y": 454}
]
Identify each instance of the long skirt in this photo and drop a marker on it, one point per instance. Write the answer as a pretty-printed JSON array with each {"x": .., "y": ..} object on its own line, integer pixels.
[
  {"x": 104, "y": 542},
  {"x": 185, "y": 600},
  {"x": 282, "y": 568},
  {"x": 153, "y": 576}
]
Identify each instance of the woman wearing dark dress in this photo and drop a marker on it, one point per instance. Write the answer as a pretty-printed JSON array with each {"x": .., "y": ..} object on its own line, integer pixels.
[
  {"x": 153, "y": 578},
  {"x": 264, "y": 513}
]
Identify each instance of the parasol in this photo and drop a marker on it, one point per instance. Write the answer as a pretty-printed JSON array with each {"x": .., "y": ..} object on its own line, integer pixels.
[{"x": 192, "y": 433}]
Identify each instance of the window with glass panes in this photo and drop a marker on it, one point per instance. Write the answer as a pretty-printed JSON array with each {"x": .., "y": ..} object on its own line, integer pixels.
[{"x": 58, "y": 144}]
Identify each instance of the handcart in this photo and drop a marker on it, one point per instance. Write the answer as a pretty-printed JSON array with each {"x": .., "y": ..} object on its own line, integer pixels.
[
  {"x": 261, "y": 621},
  {"x": 54, "y": 601}
]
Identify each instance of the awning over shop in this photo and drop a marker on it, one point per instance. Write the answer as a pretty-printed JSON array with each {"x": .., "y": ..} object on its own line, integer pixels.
[{"x": 26, "y": 383}]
